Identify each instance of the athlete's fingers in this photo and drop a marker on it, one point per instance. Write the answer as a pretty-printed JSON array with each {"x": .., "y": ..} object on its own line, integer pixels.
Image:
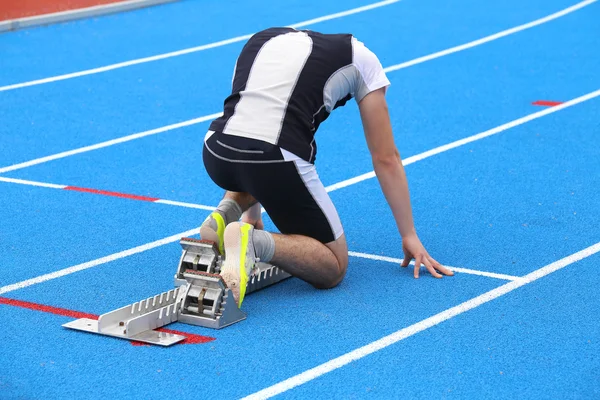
[
  {"x": 430, "y": 268},
  {"x": 444, "y": 270},
  {"x": 417, "y": 266},
  {"x": 406, "y": 260},
  {"x": 439, "y": 267}
]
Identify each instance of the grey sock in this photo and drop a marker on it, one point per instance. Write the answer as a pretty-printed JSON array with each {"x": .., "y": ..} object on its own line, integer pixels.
[
  {"x": 230, "y": 210},
  {"x": 264, "y": 245}
]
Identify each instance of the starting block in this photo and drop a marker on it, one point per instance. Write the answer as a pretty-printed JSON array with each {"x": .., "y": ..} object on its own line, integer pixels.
[{"x": 200, "y": 297}]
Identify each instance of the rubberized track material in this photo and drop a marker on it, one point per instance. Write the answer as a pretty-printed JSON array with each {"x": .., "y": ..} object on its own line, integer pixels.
[{"x": 494, "y": 107}]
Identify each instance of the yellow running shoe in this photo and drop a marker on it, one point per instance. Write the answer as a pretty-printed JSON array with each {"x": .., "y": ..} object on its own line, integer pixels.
[
  {"x": 240, "y": 258},
  {"x": 213, "y": 229}
]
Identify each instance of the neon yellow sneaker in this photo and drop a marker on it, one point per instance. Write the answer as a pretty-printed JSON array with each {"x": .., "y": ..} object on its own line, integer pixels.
[
  {"x": 213, "y": 229},
  {"x": 240, "y": 258}
]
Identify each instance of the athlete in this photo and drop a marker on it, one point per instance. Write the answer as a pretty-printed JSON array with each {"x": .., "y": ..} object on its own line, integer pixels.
[{"x": 261, "y": 151}]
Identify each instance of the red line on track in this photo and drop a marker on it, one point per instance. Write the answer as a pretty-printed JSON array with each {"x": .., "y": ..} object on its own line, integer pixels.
[
  {"x": 47, "y": 309},
  {"x": 546, "y": 103},
  {"x": 114, "y": 194},
  {"x": 190, "y": 338}
]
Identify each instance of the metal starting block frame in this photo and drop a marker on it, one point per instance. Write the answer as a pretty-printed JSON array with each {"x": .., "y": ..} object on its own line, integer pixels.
[{"x": 200, "y": 297}]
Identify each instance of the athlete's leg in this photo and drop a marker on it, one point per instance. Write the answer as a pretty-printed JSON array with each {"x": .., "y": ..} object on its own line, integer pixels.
[
  {"x": 253, "y": 216},
  {"x": 313, "y": 245},
  {"x": 229, "y": 210},
  {"x": 321, "y": 265}
]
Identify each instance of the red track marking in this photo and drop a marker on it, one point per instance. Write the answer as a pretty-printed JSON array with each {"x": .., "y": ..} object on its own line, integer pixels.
[
  {"x": 48, "y": 309},
  {"x": 546, "y": 103},
  {"x": 190, "y": 338},
  {"x": 114, "y": 194},
  {"x": 140, "y": 344}
]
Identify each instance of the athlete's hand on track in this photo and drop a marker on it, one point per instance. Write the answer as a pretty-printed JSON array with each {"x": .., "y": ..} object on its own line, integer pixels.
[{"x": 413, "y": 248}]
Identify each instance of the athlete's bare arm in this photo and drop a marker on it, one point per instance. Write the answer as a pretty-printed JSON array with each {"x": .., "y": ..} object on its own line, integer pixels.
[{"x": 390, "y": 173}]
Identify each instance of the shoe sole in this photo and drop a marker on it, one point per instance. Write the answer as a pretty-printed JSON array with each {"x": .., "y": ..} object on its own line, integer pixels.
[{"x": 235, "y": 270}]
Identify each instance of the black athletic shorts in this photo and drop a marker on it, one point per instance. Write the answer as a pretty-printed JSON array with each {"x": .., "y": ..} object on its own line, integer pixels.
[{"x": 287, "y": 186}]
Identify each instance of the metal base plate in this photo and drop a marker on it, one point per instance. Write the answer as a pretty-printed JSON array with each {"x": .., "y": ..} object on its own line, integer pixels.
[
  {"x": 152, "y": 337},
  {"x": 265, "y": 275}
]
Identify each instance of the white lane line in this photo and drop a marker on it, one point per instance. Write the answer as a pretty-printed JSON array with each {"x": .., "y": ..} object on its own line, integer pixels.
[
  {"x": 491, "y": 37},
  {"x": 183, "y": 204},
  {"x": 432, "y": 321},
  {"x": 32, "y": 183},
  {"x": 470, "y": 139},
  {"x": 188, "y": 50},
  {"x": 94, "y": 263},
  {"x": 109, "y": 143},
  {"x": 343, "y": 13},
  {"x": 397, "y": 261},
  {"x": 216, "y": 115},
  {"x": 486, "y": 274}
]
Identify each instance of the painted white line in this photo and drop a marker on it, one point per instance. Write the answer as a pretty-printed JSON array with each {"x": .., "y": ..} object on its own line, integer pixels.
[
  {"x": 188, "y": 50},
  {"x": 32, "y": 183},
  {"x": 216, "y": 115},
  {"x": 94, "y": 263},
  {"x": 109, "y": 143},
  {"x": 486, "y": 274},
  {"x": 470, "y": 139},
  {"x": 343, "y": 13},
  {"x": 419, "y": 326},
  {"x": 456, "y": 269},
  {"x": 182, "y": 204},
  {"x": 491, "y": 37}
]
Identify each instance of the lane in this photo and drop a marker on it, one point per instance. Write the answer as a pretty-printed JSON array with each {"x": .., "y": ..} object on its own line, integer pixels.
[
  {"x": 539, "y": 341},
  {"x": 43, "y": 231}
]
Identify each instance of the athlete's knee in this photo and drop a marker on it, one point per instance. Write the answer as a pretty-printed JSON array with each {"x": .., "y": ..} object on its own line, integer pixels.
[
  {"x": 341, "y": 272},
  {"x": 339, "y": 268},
  {"x": 334, "y": 278}
]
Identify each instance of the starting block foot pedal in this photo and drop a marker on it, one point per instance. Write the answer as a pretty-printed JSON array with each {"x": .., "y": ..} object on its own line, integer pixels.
[{"x": 209, "y": 302}]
